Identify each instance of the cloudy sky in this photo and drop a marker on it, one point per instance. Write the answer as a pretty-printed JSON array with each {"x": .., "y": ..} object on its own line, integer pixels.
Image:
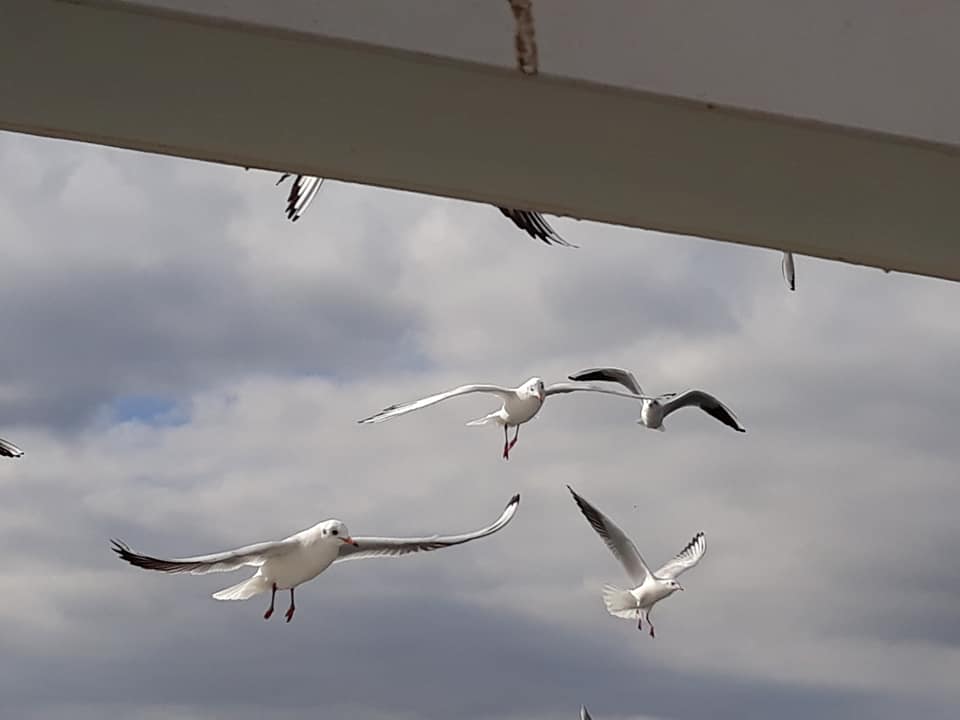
[{"x": 184, "y": 369}]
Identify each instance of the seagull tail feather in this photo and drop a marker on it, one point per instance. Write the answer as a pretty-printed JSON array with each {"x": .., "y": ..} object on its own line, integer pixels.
[
  {"x": 486, "y": 419},
  {"x": 243, "y": 590},
  {"x": 620, "y": 603}
]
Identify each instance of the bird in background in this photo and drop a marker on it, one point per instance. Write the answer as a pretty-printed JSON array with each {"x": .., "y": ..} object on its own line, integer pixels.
[
  {"x": 305, "y": 188},
  {"x": 584, "y": 715},
  {"x": 520, "y": 404},
  {"x": 8, "y": 449},
  {"x": 288, "y": 563},
  {"x": 650, "y": 587},
  {"x": 655, "y": 409}
]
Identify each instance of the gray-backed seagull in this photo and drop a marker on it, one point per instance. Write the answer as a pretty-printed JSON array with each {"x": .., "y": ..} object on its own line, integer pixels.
[
  {"x": 285, "y": 564},
  {"x": 651, "y": 587},
  {"x": 520, "y": 404},
  {"x": 655, "y": 409}
]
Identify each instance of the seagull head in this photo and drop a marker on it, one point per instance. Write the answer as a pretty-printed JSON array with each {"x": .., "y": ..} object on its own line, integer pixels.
[
  {"x": 673, "y": 585},
  {"x": 534, "y": 387},
  {"x": 336, "y": 531}
]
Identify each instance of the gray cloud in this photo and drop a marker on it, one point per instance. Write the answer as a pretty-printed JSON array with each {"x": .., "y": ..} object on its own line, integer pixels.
[{"x": 826, "y": 589}]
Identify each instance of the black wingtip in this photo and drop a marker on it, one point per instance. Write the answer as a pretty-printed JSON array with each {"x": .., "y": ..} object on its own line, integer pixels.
[
  {"x": 121, "y": 549},
  {"x": 515, "y": 500}
]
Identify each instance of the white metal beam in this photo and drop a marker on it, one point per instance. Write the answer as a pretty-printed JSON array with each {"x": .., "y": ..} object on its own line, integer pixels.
[{"x": 268, "y": 98}]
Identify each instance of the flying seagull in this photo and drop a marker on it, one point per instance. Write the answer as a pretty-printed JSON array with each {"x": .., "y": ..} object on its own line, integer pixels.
[
  {"x": 655, "y": 409},
  {"x": 520, "y": 404},
  {"x": 651, "y": 587},
  {"x": 584, "y": 715},
  {"x": 285, "y": 564},
  {"x": 8, "y": 449},
  {"x": 789, "y": 274},
  {"x": 305, "y": 188}
]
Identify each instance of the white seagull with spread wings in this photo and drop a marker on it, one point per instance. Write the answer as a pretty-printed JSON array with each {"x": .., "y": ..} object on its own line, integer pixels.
[
  {"x": 305, "y": 188},
  {"x": 651, "y": 587},
  {"x": 285, "y": 564},
  {"x": 8, "y": 449},
  {"x": 655, "y": 409},
  {"x": 520, "y": 404}
]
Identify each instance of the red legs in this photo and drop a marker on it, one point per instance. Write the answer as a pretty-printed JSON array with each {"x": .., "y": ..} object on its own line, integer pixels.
[
  {"x": 508, "y": 445},
  {"x": 292, "y": 609},
  {"x": 273, "y": 597}
]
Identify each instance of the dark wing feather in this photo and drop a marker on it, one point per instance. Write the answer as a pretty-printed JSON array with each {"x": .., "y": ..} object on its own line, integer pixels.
[
  {"x": 536, "y": 226},
  {"x": 685, "y": 559},
  {"x": 614, "y": 538},
  {"x": 302, "y": 192},
  {"x": 253, "y": 555},
  {"x": 8, "y": 449},
  {"x": 368, "y": 547},
  {"x": 706, "y": 402}
]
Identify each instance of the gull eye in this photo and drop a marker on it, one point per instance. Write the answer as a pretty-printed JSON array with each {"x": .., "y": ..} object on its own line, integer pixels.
[{"x": 333, "y": 532}]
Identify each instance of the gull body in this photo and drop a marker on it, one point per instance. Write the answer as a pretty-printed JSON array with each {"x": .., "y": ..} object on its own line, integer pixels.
[
  {"x": 655, "y": 409},
  {"x": 286, "y": 564},
  {"x": 520, "y": 404},
  {"x": 651, "y": 587}
]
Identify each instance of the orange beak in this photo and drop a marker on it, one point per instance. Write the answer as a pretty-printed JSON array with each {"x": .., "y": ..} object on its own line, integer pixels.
[{"x": 350, "y": 541}]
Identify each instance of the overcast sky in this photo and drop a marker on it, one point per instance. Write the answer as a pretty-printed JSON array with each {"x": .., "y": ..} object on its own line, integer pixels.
[{"x": 184, "y": 369}]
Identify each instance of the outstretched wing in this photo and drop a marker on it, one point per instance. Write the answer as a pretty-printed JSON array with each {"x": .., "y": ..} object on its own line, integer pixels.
[
  {"x": 706, "y": 402},
  {"x": 620, "y": 545},
  {"x": 534, "y": 224},
  {"x": 367, "y": 547},
  {"x": 253, "y": 555},
  {"x": 8, "y": 449},
  {"x": 404, "y": 408},
  {"x": 584, "y": 715},
  {"x": 565, "y": 387},
  {"x": 685, "y": 559},
  {"x": 609, "y": 374},
  {"x": 302, "y": 192}
]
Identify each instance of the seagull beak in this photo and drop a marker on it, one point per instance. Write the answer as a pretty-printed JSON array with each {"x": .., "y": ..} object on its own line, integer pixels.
[
  {"x": 350, "y": 541},
  {"x": 680, "y": 586}
]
